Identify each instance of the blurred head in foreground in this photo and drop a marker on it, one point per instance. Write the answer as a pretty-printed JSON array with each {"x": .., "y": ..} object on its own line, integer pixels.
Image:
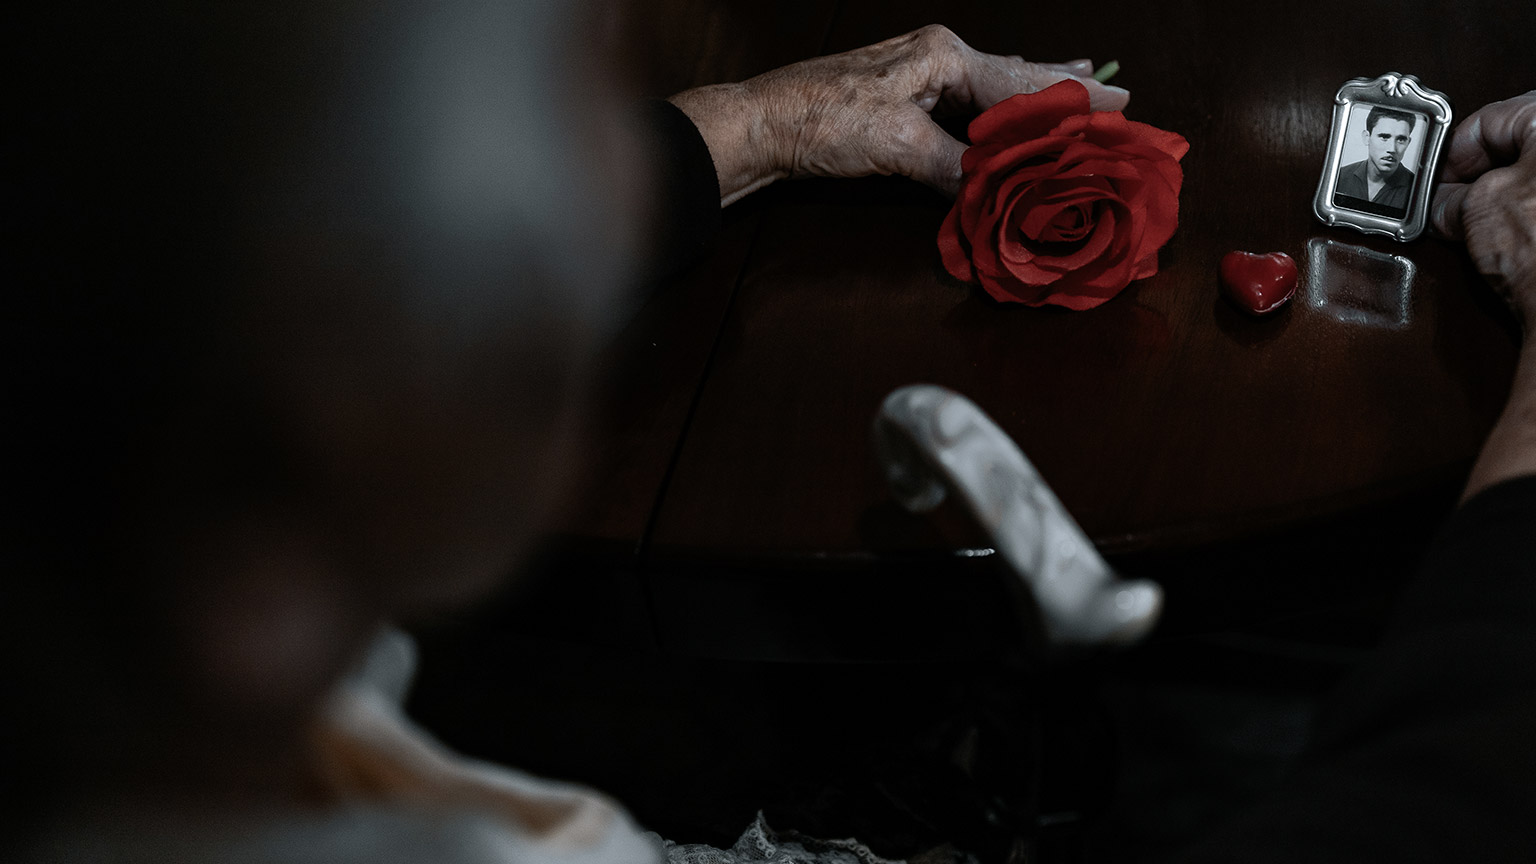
[{"x": 299, "y": 294}]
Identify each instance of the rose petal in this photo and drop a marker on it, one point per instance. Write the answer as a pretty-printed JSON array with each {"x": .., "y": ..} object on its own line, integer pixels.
[
  {"x": 1033, "y": 267},
  {"x": 1029, "y": 193},
  {"x": 1171, "y": 143},
  {"x": 1030, "y": 211},
  {"x": 1045, "y": 221},
  {"x": 1070, "y": 224},
  {"x": 1066, "y": 189},
  {"x": 1104, "y": 227},
  {"x": 990, "y": 167},
  {"x": 954, "y": 251},
  {"x": 1119, "y": 260},
  {"x": 1013, "y": 186},
  {"x": 1037, "y": 219},
  {"x": 1144, "y": 155},
  {"x": 1109, "y": 168},
  {"x": 1091, "y": 275},
  {"x": 1030, "y": 115},
  {"x": 1106, "y": 128},
  {"x": 992, "y": 195},
  {"x": 985, "y": 163},
  {"x": 1019, "y": 262},
  {"x": 1158, "y": 199},
  {"x": 1162, "y": 220},
  {"x": 1059, "y": 206},
  {"x": 1110, "y": 129}
]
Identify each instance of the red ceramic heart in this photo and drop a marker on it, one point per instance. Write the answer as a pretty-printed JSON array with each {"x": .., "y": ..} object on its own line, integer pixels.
[{"x": 1258, "y": 284}]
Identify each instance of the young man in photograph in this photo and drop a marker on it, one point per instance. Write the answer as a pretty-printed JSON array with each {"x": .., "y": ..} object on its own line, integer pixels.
[{"x": 1381, "y": 178}]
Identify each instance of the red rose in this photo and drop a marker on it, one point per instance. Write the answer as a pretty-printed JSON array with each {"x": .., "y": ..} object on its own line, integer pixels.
[{"x": 1059, "y": 205}]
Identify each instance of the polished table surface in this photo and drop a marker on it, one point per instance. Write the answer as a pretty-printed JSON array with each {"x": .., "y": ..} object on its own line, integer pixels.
[{"x": 736, "y": 429}]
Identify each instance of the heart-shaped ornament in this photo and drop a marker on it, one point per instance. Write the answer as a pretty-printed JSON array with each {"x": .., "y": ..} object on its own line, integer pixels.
[{"x": 1258, "y": 284}]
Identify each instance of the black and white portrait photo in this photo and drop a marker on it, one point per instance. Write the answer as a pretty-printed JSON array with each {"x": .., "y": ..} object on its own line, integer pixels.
[{"x": 1380, "y": 160}]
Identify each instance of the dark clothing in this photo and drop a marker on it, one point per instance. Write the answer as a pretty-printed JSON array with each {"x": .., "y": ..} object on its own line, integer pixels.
[
  {"x": 1427, "y": 751},
  {"x": 1394, "y": 193},
  {"x": 687, "y": 193}
]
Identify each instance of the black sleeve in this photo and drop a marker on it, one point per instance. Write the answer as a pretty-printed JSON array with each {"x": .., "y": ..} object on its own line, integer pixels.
[
  {"x": 1428, "y": 751},
  {"x": 685, "y": 207}
]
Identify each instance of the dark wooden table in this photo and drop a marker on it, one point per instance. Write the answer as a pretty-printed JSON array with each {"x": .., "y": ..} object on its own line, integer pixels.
[{"x": 733, "y": 448}]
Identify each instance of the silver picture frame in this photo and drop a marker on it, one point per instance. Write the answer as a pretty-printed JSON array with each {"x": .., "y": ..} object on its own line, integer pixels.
[{"x": 1382, "y": 156}]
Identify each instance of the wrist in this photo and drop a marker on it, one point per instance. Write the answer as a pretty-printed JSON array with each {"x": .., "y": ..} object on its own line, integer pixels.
[
  {"x": 743, "y": 143},
  {"x": 1510, "y": 450}
]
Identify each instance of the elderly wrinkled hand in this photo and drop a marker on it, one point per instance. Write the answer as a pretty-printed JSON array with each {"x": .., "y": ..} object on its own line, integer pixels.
[
  {"x": 1487, "y": 195},
  {"x": 866, "y": 111}
]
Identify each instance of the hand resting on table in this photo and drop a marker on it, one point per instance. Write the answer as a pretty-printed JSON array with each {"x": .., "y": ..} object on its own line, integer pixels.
[{"x": 865, "y": 111}]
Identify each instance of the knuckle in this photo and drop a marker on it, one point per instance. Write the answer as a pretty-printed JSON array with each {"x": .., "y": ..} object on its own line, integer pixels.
[
  {"x": 1493, "y": 190},
  {"x": 905, "y": 138},
  {"x": 1524, "y": 107},
  {"x": 938, "y": 38},
  {"x": 1037, "y": 76}
]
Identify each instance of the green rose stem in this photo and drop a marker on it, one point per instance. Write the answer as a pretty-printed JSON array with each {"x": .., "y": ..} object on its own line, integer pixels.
[{"x": 1107, "y": 71}]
